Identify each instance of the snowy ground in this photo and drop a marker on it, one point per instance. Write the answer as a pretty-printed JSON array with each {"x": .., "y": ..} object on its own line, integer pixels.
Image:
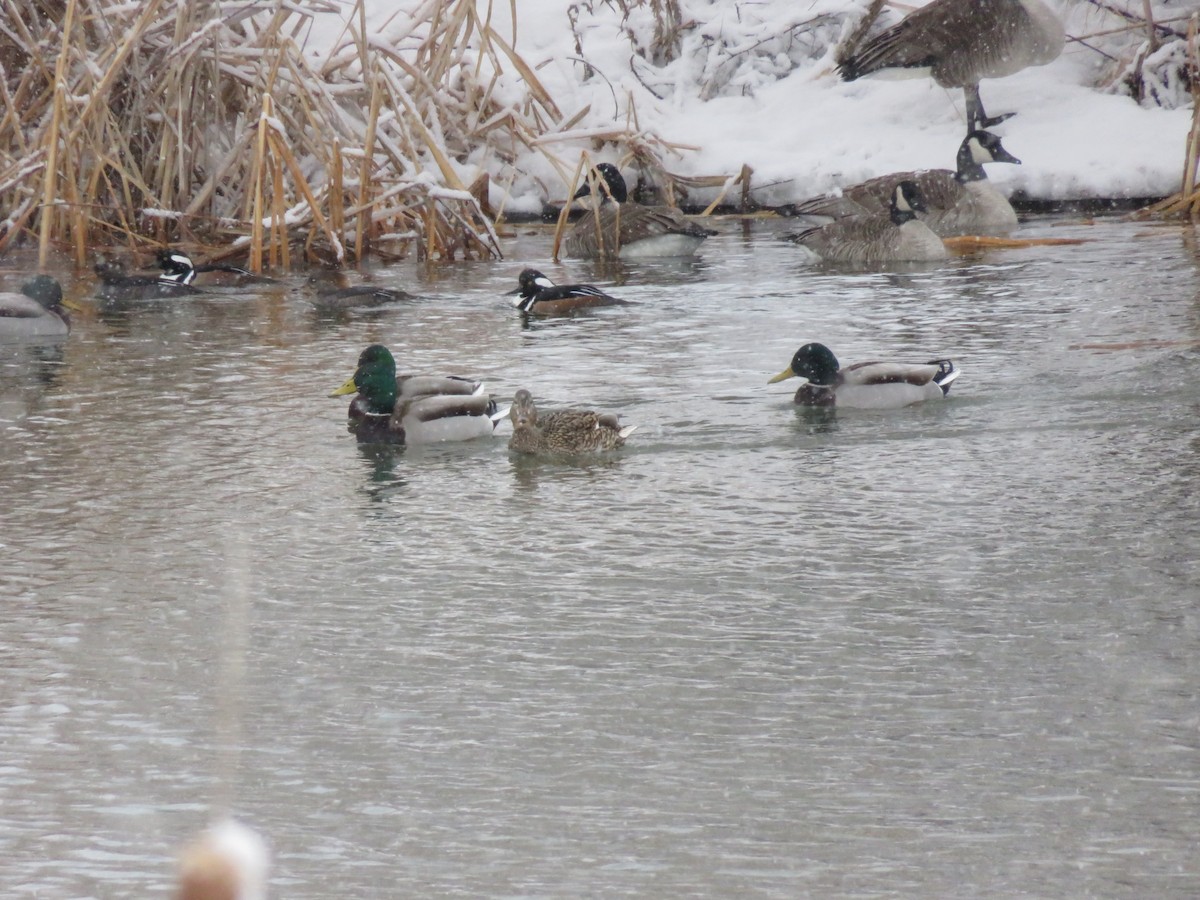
[{"x": 755, "y": 85}]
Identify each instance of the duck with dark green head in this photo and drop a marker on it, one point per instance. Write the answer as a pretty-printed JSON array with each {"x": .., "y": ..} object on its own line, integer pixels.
[
  {"x": 865, "y": 385},
  {"x": 415, "y": 409},
  {"x": 38, "y": 311}
]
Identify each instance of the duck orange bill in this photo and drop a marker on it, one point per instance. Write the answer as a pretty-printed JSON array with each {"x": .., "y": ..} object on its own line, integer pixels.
[
  {"x": 348, "y": 388},
  {"x": 786, "y": 373}
]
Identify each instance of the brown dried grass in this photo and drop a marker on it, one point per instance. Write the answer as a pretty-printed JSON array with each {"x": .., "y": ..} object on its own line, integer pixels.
[
  {"x": 1186, "y": 202},
  {"x": 205, "y": 124}
]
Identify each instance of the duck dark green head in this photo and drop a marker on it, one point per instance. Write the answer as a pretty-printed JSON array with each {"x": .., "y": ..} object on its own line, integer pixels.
[
  {"x": 814, "y": 362},
  {"x": 374, "y": 380},
  {"x": 44, "y": 289}
]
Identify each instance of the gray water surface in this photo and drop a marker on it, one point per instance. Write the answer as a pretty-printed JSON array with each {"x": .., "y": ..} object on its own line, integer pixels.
[{"x": 950, "y": 650}]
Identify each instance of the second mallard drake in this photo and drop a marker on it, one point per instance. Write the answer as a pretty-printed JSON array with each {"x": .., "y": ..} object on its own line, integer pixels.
[
  {"x": 539, "y": 296},
  {"x": 865, "y": 385},
  {"x": 565, "y": 432},
  {"x": 414, "y": 409},
  {"x": 38, "y": 311},
  {"x": 629, "y": 230}
]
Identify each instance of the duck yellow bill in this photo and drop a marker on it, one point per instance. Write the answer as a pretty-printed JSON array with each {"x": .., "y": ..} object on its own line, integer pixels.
[
  {"x": 786, "y": 373},
  {"x": 72, "y": 305},
  {"x": 348, "y": 388}
]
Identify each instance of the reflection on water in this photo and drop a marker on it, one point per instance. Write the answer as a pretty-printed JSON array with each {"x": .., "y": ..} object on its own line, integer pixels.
[{"x": 762, "y": 651}]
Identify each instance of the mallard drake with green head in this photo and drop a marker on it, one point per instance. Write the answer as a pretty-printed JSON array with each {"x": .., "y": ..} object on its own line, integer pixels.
[
  {"x": 415, "y": 409},
  {"x": 630, "y": 230},
  {"x": 865, "y": 385},
  {"x": 537, "y": 295},
  {"x": 38, "y": 311},
  {"x": 567, "y": 431}
]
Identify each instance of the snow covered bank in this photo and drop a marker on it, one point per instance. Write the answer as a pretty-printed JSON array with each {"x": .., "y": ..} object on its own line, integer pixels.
[{"x": 754, "y": 84}]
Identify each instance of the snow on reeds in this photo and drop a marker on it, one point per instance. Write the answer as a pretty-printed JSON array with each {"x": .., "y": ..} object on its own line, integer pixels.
[
  {"x": 1186, "y": 202},
  {"x": 204, "y": 122},
  {"x": 208, "y": 123}
]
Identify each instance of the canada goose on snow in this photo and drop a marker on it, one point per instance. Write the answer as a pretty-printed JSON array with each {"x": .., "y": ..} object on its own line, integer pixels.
[{"x": 960, "y": 42}]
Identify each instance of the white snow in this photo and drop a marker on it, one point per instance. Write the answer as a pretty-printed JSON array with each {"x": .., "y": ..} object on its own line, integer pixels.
[{"x": 755, "y": 85}]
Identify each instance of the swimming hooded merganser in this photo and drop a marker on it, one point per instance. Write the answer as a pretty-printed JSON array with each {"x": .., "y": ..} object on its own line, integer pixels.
[{"x": 538, "y": 295}]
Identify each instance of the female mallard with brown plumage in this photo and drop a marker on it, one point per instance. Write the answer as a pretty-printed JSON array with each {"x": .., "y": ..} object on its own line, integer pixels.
[
  {"x": 567, "y": 431},
  {"x": 414, "y": 409}
]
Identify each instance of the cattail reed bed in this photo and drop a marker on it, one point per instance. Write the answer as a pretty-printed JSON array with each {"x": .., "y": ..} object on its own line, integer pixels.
[
  {"x": 1186, "y": 202},
  {"x": 206, "y": 124},
  {"x": 211, "y": 125}
]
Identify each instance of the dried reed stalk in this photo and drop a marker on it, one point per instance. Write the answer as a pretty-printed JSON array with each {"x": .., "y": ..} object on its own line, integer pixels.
[
  {"x": 205, "y": 122},
  {"x": 1187, "y": 200}
]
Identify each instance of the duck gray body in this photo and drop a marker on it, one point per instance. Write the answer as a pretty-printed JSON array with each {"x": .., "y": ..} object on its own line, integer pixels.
[
  {"x": 958, "y": 202},
  {"x": 567, "y": 431},
  {"x": 414, "y": 409},
  {"x": 865, "y": 385},
  {"x": 960, "y": 42},
  {"x": 894, "y": 236},
  {"x": 628, "y": 230},
  {"x": 36, "y": 312}
]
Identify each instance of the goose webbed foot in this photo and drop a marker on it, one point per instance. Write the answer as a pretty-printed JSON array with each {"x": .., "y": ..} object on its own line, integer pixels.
[{"x": 977, "y": 117}]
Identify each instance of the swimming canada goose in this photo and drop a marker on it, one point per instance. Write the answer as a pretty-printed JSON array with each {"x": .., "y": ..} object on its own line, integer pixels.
[
  {"x": 894, "y": 236},
  {"x": 865, "y": 385},
  {"x": 38, "y": 311},
  {"x": 567, "y": 431},
  {"x": 959, "y": 42},
  {"x": 538, "y": 295},
  {"x": 414, "y": 409},
  {"x": 959, "y": 202},
  {"x": 629, "y": 230}
]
